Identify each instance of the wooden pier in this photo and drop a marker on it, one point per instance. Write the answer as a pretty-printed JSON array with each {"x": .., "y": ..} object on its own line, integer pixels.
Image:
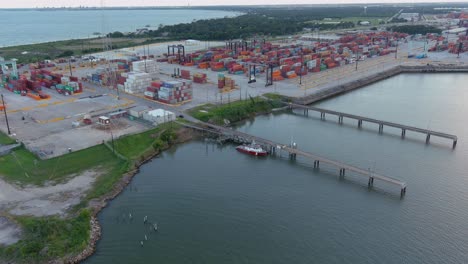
[
  {"x": 292, "y": 150},
  {"x": 381, "y": 123}
]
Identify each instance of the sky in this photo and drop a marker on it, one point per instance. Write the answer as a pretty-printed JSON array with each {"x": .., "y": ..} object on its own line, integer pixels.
[{"x": 108, "y": 3}]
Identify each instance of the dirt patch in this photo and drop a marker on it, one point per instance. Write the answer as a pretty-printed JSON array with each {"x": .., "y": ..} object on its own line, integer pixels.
[
  {"x": 44, "y": 201},
  {"x": 10, "y": 233},
  {"x": 185, "y": 134},
  {"x": 40, "y": 201}
]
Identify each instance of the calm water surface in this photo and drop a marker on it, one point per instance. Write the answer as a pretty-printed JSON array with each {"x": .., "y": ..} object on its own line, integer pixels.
[
  {"x": 32, "y": 26},
  {"x": 214, "y": 205}
]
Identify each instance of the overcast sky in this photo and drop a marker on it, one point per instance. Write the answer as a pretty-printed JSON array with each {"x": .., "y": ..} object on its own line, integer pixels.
[{"x": 74, "y": 3}]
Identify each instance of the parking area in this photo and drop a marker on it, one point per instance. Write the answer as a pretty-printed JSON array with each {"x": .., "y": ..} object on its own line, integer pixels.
[{"x": 52, "y": 127}]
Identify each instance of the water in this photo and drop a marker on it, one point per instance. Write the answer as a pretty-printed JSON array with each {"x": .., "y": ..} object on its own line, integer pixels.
[
  {"x": 214, "y": 205},
  {"x": 32, "y": 26}
]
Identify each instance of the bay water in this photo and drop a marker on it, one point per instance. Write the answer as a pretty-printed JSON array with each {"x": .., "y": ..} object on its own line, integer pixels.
[{"x": 215, "y": 205}]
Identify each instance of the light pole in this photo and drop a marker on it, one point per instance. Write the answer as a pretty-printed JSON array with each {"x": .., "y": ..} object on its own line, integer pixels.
[
  {"x": 69, "y": 66},
  {"x": 112, "y": 137},
  {"x": 357, "y": 59},
  {"x": 300, "y": 77},
  {"x": 396, "y": 49},
  {"x": 6, "y": 117}
]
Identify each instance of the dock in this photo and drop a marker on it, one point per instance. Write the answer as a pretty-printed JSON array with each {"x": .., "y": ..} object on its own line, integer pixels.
[
  {"x": 428, "y": 133},
  {"x": 292, "y": 150}
]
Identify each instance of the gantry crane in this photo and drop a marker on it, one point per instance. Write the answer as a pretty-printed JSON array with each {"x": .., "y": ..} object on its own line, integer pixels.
[{"x": 12, "y": 62}]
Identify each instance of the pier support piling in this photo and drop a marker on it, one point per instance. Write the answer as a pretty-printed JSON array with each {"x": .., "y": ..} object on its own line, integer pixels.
[
  {"x": 380, "y": 128},
  {"x": 428, "y": 137},
  {"x": 454, "y": 144},
  {"x": 342, "y": 173},
  {"x": 402, "y": 192},
  {"x": 322, "y": 115},
  {"x": 316, "y": 164},
  {"x": 292, "y": 156},
  {"x": 359, "y": 123},
  {"x": 403, "y": 133},
  {"x": 370, "y": 184},
  {"x": 340, "y": 119}
]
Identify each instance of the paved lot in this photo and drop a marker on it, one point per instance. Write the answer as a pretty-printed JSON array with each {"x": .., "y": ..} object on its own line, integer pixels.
[{"x": 47, "y": 125}]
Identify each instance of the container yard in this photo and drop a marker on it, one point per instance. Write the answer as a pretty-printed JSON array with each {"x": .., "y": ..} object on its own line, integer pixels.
[
  {"x": 241, "y": 68},
  {"x": 67, "y": 98},
  {"x": 288, "y": 61},
  {"x": 52, "y": 113}
]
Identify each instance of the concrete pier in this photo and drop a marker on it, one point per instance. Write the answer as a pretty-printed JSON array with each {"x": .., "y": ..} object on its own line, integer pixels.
[
  {"x": 381, "y": 123},
  {"x": 293, "y": 150}
]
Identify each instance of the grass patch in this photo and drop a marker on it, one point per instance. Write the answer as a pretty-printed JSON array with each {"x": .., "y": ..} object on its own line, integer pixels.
[
  {"x": 51, "y": 50},
  {"x": 6, "y": 140},
  {"x": 234, "y": 111},
  {"x": 48, "y": 238},
  {"x": 277, "y": 97},
  {"x": 23, "y": 167},
  {"x": 134, "y": 146}
]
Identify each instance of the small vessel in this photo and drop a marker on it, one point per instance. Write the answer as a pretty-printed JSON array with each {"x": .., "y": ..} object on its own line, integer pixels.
[{"x": 252, "y": 149}]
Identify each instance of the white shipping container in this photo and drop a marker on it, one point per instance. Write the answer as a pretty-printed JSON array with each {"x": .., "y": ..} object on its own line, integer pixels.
[
  {"x": 312, "y": 64},
  {"x": 146, "y": 66},
  {"x": 64, "y": 80},
  {"x": 138, "y": 111}
]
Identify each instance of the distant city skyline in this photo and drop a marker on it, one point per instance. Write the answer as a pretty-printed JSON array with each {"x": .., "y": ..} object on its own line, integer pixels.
[{"x": 137, "y": 3}]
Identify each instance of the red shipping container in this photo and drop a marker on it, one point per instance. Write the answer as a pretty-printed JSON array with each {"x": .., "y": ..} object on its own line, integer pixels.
[
  {"x": 151, "y": 89},
  {"x": 156, "y": 84}
]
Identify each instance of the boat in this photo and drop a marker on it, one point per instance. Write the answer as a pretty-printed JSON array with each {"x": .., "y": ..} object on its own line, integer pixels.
[{"x": 252, "y": 149}]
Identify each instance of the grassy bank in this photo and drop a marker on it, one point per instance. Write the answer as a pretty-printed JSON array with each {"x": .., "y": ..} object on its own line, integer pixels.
[
  {"x": 51, "y": 50},
  {"x": 48, "y": 238},
  {"x": 6, "y": 140},
  {"x": 23, "y": 167},
  {"x": 132, "y": 147},
  {"x": 235, "y": 111}
]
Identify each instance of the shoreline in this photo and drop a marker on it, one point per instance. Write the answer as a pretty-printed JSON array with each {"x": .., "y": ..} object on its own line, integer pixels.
[
  {"x": 185, "y": 135},
  {"x": 376, "y": 77},
  {"x": 98, "y": 204}
]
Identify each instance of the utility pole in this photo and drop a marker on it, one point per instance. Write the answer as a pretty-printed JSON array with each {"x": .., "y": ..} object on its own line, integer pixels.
[
  {"x": 460, "y": 46},
  {"x": 396, "y": 49},
  {"x": 112, "y": 137},
  {"x": 357, "y": 59},
  {"x": 240, "y": 92},
  {"x": 144, "y": 52},
  {"x": 300, "y": 74},
  {"x": 69, "y": 66},
  {"x": 6, "y": 117}
]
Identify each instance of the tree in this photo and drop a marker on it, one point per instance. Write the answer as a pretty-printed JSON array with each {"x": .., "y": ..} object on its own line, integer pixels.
[
  {"x": 116, "y": 34},
  {"x": 66, "y": 53}
]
